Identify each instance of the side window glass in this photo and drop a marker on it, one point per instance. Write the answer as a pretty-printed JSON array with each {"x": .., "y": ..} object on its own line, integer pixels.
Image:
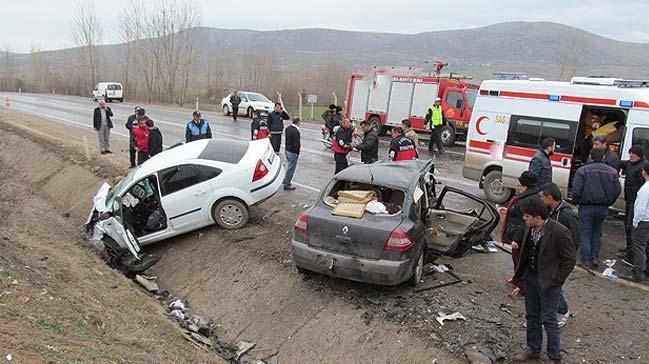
[
  {"x": 526, "y": 132},
  {"x": 562, "y": 133},
  {"x": 641, "y": 137},
  {"x": 455, "y": 99},
  {"x": 207, "y": 172},
  {"x": 178, "y": 178}
]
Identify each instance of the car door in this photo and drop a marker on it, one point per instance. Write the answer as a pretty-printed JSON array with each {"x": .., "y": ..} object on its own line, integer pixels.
[
  {"x": 185, "y": 196},
  {"x": 457, "y": 221},
  {"x": 117, "y": 229},
  {"x": 243, "y": 106}
]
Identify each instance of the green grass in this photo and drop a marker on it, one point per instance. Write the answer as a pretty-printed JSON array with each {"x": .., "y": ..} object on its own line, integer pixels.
[
  {"x": 306, "y": 112},
  {"x": 6, "y": 273},
  {"x": 50, "y": 325}
]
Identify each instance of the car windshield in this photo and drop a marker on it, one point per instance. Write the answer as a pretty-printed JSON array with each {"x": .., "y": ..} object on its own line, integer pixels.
[
  {"x": 119, "y": 188},
  {"x": 472, "y": 94},
  {"x": 379, "y": 200},
  {"x": 257, "y": 97}
]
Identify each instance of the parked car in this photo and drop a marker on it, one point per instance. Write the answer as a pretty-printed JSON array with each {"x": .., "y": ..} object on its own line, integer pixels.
[
  {"x": 250, "y": 101},
  {"x": 183, "y": 189},
  {"x": 108, "y": 91},
  {"x": 389, "y": 248}
]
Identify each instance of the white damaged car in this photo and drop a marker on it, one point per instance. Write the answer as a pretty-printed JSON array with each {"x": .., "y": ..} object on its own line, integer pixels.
[{"x": 183, "y": 189}]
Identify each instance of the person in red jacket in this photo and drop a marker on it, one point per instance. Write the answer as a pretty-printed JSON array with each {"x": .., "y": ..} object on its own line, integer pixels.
[
  {"x": 402, "y": 148},
  {"x": 141, "y": 134}
]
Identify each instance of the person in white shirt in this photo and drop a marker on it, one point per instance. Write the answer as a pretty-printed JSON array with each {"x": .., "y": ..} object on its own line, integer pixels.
[{"x": 641, "y": 229}]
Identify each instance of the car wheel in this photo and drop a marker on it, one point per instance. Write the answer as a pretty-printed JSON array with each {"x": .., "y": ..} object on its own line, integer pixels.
[
  {"x": 494, "y": 188},
  {"x": 417, "y": 270},
  {"x": 249, "y": 112},
  {"x": 447, "y": 135},
  {"x": 121, "y": 100},
  {"x": 230, "y": 214},
  {"x": 226, "y": 110}
]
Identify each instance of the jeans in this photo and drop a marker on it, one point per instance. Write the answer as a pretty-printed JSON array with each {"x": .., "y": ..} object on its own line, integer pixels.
[
  {"x": 103, "y": 134},
  {"x": 435, "y": 139},
  {"x": 563, "y": 304},
  {"x": 341, "y": 162},
  {"x": 291, "y": 163},
  {"x": 628, "y": 228},
  {"x": 276, "y": 141},
  {"x": 640, "y": 244},
  {"x": 541, "y": 311},
  {"x": 235, "y": 112},
  {"x": 591, "y": 220}
]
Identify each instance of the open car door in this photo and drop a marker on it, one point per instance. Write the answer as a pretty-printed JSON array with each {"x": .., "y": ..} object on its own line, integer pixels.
[
  {"x": 457, "y": 221},
  {"x": 118, "y": 230}
]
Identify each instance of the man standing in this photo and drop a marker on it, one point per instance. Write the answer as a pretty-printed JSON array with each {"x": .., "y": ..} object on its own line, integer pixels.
[
  {"x": 641, "y": 229},
  {"x": 155, "y": 138},
  {"x": 547, "y": 258},
  {"x": 564, "y": 213},
  {"x": 610, "y": 158},
  {"x": 632, "y": 170},
  {"x": 435, "y": 122},
  {"x": 292, "y": 152},
  {"x": 276, "y": 126},
  {"x": 197, "y": 129},
  {"x": 409, "y": 132},
  {"x": 370, "y": 146},
  {"x": 595, "y": 188},
  {"x": 401, "y": 147},
  {"x": 141, "y": 140},
  {"x": 235, "y": 100},
  {"x": 329, "y": 117},
  {"x": 102, "y": 124},
  {"x": 342, "y": 145},
  {"x": 131, "y": 123},
  {"x": 541, "y": 164}
]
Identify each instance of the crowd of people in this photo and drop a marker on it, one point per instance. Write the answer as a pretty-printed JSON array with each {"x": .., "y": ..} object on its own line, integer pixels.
[{"x": 546, "y": 232}]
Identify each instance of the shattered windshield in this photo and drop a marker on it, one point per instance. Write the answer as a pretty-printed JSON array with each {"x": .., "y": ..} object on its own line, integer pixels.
[{"x": 119, "y": 188}]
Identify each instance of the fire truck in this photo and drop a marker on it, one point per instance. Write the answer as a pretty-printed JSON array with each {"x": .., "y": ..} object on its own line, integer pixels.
[
  {"x": 510, "y": 118},
  {"x": 388, "y": 95}
]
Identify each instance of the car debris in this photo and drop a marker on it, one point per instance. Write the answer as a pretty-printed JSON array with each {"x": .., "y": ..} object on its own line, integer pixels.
[
  {"x": 243, "y": 347},
  {"x": 367, "y": 317},
  {"x": 149, "y": 283},
  {"x": 178, "y": 305},
  {"x": 449, "y": 317}
]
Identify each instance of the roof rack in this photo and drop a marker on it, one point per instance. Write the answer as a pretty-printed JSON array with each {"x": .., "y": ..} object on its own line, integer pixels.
[
  {"x": 510, "y": 75},
  {"x": 609, "y": 81},
  {"x": 632, "y": 83}
]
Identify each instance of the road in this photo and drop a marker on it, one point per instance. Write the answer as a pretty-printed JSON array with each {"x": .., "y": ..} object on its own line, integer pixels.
[{"x": 315, "y": 166}]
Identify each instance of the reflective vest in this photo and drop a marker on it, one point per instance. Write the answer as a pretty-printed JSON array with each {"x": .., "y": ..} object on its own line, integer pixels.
[
  {"x": 193, "y": 128},
  {"x": 436, "y": 116},
  {"x": 403, "y": 149}
]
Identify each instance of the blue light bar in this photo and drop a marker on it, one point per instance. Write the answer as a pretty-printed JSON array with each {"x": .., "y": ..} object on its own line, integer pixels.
[
  {"x": 626, "y": 103},
  {"x": 555, "y": 98}
]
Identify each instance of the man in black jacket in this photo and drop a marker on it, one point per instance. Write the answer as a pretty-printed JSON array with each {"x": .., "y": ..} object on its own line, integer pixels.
[
  {"x": 541, "y": 164},
  {"x": 595, "y": 187},
  {"x": 547, "y": 259},
  {"x": 292, "y": 152},
  {"x": 610, "y": 158},
  {"x": 342, "y": 145},
  {"x": 370, "y": 146},
  {"x": 632, "y": 170},
  {"x": 329, "y": 119},
  {"x": 235, "y": 100},
  {"x": 255, "y": 125},
  {"x": 197, "y": 129},
  {"x": 155, "y": 138},
  {"x": 131, "y": 123},
  {"x": 276, "y": 126},
  {"x": 102, "y": 124}
]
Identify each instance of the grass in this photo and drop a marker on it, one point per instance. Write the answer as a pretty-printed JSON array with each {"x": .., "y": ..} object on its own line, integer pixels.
[
  {"x": 6, "y": 273},
  {"x": 50, "y": 325}
]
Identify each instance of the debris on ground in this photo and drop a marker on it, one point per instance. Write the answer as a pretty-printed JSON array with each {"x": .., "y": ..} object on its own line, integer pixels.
[
  {"x": 243, "y": 347},
  {"x": 486, "y": 247},
  {"x": 270, "y": 213},
  {"x": 449, "y": 317},
  {"x": 367, "y": 317},
  {"x": 475, "y": 356},
  {"x": 149, "y": 283}
]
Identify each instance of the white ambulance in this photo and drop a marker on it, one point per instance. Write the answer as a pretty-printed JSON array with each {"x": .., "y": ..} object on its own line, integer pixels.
[{"x": 511, "y": 117}]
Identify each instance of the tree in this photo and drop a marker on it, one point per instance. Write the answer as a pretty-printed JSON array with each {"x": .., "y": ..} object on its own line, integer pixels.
[
  {"x": 8, "y": 79},
  {"x": 86, "y": 37},
  {"x": 40, "y": 69}
]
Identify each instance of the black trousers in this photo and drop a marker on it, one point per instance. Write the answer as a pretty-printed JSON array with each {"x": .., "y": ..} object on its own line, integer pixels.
[
  {"x": 628, "y": 227},
  {"x": 435, "y": 139},
  {"x": 341, "y": 162},
  {"x": 131, "y": 154},
  {"x": 235, "y": 112},
  {"x": 142, "y": 157},
  {"x": 276, "y": 141}
]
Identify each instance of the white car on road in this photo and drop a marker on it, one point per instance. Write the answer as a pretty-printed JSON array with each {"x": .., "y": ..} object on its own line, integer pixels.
[
  {"x": 250, "y": 101},
  {"x": 183, "y": 189},
  {"x": 108, "y": 91}
]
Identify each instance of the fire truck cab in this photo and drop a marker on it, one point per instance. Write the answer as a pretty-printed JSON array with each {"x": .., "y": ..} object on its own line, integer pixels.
[
  {"x": 391, "y": 94},
  {"x": 511, "y": 117}
]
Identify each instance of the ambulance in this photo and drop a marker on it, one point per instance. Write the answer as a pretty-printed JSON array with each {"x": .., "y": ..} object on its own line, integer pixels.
[{"x": 511, "y": 117}]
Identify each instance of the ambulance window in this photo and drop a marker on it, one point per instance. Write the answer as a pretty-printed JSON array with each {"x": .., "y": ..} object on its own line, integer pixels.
[
  {"x": 527, "y": 132},
  {"x": 455, "y": 99},
  {"x": 641, "y": 138},
  {"x": 561, "y": 132}
]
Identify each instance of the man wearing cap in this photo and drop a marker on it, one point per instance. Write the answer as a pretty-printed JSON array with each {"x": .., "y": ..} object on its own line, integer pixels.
[
  {"x": 131, "y": 123},
  {"x": 435, "y": 122},
  {"x": 197, "y": 129}
]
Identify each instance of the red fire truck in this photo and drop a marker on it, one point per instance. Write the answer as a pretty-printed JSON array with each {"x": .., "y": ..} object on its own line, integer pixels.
[{"x": 388, "y": 95}]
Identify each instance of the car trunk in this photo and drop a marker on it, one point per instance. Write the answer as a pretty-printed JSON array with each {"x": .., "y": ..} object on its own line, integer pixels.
[{"x": 363, "y": 238}]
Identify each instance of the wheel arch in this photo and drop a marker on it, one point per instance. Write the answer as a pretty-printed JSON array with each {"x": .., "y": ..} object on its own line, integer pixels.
[{"x": 489, "y": 168}]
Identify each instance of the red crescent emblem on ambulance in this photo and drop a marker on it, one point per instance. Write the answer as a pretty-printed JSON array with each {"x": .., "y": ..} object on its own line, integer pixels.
[{"x": 477, "y": 124}]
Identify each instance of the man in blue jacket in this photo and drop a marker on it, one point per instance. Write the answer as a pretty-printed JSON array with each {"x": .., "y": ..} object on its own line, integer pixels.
[
  {"x": 197, "y": 129},
  {"x": 541, "y": 164},
  {"x": 595, "y": 188},
  {"x": 276, "y": 126}
]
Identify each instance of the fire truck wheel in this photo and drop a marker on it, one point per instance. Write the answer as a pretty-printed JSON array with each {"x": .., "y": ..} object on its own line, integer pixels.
[
  {"x": 447, "y": 135},
  {"x": 376, "y": 125},
  {"x": 494, "y": 189}
]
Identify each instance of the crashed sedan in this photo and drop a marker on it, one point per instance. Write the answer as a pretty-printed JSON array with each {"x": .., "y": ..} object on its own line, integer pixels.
[
  {"x": 381, "y": 223},
  {"x": 183, "y": 189}
]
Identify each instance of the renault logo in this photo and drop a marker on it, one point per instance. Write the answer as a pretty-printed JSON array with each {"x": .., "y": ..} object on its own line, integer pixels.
[{"x": 345, "y": 230}]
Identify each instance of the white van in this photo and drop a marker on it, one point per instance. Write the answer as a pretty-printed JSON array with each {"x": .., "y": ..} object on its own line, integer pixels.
[
  {"x": 108, "y": 91},
  {"x": 511, "y": 117}
]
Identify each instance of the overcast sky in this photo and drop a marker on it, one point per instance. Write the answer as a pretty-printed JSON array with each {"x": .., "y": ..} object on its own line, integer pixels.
[{"x": 47, "y": 23}]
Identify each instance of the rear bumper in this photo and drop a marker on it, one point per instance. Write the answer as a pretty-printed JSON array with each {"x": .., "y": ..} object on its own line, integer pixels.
[
  {"x": 383, "y": 272},
  {"x": 266, "y": 191}
]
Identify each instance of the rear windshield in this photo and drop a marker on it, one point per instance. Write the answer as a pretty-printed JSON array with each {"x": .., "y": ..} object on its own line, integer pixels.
[
  {"x": 381, "y": 197},
  {"x": 114, "y": 87},
  {"x": 226, "y": 151}
]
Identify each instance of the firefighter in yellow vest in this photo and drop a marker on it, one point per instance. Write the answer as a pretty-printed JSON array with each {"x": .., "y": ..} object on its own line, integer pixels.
[{"x": 435, "y": 122}]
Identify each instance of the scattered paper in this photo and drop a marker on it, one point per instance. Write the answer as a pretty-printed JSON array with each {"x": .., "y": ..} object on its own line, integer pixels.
[{"x": 451, "y": 317}]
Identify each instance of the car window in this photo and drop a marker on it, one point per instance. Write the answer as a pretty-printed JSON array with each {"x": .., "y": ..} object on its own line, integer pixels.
[
  {"x": 641, "y": 138},
  {"x": 454, "y": 99},
  {"x": 257, "y": 97},
  {"x": 528, "y": 132},
  {"x": 178, "y": 178},
  {"x": 227, "y": 151},
  {"x": 207, "y": 172},
  {"x": 114, "y": 87}
]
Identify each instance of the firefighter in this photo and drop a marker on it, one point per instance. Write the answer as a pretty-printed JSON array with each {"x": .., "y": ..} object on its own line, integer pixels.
[
  {"x": 435, "y": 122},
  {"x": 342, "y": 145},
  {"x": 402, "y": 148}
]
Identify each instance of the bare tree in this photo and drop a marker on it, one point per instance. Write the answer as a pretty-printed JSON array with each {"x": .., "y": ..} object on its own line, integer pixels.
[
  {"x": 39, "y": 69},
  {"x": 571, "y": 56},
  {"x": 86, "y": 36},
  {"x": 8, "y": 81}
]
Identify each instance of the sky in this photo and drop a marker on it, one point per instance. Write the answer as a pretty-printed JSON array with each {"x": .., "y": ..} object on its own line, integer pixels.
[{"x": 48, "y": 23}]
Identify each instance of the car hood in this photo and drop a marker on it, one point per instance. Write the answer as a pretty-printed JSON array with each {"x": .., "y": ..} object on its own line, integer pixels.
[
  {"x": 264, "y": 104},
  {"x": 99, "y": 199}
]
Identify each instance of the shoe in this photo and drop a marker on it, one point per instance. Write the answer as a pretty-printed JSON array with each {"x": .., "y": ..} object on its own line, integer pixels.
[
  {"x": 289, "y": 187},
  {"x": 109, "y": 152},
  {"x": 516, "y": 293},
  {"x": 595, "y": 264},
  {"x": 553, "y": 361},
  {"x": 526, "y": 355},
  {"x": 510, "y": 282},
  {"x": 627, "y": 262},
  {"x": 564, "y": 319},
  {"x": 102, "y": 152}
]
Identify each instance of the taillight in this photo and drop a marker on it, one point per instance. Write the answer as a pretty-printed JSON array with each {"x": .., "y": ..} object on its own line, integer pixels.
[
  {"x": 399, "y": 241},
  {"x": 301, "y": 224},
  {"x": 260, "y": 171}
]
